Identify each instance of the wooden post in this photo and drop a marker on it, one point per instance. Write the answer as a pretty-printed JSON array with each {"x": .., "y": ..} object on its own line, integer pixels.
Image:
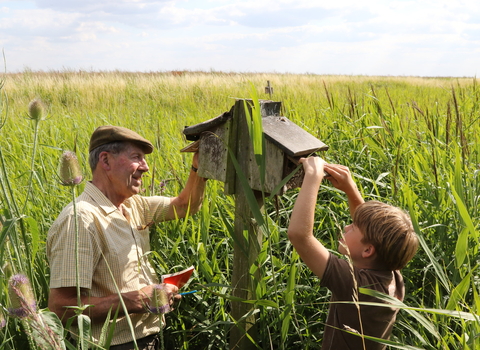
[
  {"x": 247, "y": 243},
  {"x": 269, "y": 89},
  {"x": 247, "y": 240},
  {"x": 229, "y": 133}
]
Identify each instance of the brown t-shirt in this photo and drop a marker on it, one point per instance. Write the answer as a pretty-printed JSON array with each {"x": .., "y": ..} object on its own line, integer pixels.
[{"x": 377, "y": 321}]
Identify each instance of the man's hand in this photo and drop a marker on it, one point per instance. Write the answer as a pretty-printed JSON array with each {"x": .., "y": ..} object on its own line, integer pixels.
[{"x": 139, "y": 301}]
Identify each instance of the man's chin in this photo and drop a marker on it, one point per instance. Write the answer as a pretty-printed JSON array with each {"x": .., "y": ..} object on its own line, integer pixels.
[{"x": 135, "y": 190}]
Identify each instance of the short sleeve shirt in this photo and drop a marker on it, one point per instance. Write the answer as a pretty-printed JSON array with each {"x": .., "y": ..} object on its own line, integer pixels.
[
  {"x": 111, "y": 252},
  {"x": 343, "y": 279}
]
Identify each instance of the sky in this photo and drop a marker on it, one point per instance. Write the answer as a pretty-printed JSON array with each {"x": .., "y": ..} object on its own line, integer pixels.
[{"x": 427, "y": 38}]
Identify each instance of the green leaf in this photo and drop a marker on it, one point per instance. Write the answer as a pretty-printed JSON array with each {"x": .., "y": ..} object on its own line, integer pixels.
[
  {"x": 466, "y": 316},
  {"x": 433, "y": 260},
  {"x": 397, "y": 303},
  {"x": 35, "y": 233},
  {"x": 255, "y": 129},
  {"x": 84, "y": 328},
  {"x": 249, "y": 195},
  {"x": 461, "y": 248},
  {"x": 284, "y": 181},
  {"x": 7, "y": 226},
  {"x": 462, "y": 210},
  {"x": 52, "y": 321},
  {"x": 458, "y": 293},
  {"x": 108, "y": 329},
  {"x": 258, "y": 302},
  {"x": 289, "y": 296},
  {"x": 390, "y": 343}
]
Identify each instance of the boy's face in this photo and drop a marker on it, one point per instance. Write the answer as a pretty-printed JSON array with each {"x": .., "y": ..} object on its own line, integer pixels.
[{"x": 350, "y": 242}]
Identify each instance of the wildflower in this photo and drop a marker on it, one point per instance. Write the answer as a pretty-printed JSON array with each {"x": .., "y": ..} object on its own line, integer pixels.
[
  {"x": 69, "y": 171},
  {"x": 36, "y": 109},
  {"x": 163, "y": 186},
  {"x": 21, "y": 296},
  {"x": 160, "y": 303}
]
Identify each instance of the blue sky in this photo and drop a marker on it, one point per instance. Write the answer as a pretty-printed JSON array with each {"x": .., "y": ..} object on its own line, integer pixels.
[{"x": 370, "y": 37}]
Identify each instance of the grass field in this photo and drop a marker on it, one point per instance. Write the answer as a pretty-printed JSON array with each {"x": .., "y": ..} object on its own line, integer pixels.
[{"x": 412, "y": 142}]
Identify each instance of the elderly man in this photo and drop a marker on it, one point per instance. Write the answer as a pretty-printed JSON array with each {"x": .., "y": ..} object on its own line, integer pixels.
[{"x": 113, "y": 237}]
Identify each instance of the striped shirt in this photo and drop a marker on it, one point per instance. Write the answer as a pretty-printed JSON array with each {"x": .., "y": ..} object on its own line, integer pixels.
[{"x": 110, "y": 245}]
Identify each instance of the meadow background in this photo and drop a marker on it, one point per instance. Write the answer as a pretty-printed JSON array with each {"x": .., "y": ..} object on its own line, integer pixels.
[{"x": 412, "y": 142}]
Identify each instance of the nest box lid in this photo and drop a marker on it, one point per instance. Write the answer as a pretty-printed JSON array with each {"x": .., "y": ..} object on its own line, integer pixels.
[
  {"x": 192, "y": 133},
  {"x": 290, "y": 138},
  {"x": 283, "y": 133}
]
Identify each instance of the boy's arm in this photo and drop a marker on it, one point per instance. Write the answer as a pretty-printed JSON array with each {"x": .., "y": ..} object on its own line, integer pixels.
[
  {"x": 300, "y": 229},
  {"x": 341, "y": 179}
]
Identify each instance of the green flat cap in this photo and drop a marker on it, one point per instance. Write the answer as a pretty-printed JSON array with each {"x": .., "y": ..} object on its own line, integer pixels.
[{"x": 108, "y": 133}]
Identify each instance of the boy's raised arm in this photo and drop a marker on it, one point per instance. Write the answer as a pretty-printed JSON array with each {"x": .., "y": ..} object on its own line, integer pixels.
[
  {"x": 341, "y": 178},
  {"x": 300, "y": 229}
]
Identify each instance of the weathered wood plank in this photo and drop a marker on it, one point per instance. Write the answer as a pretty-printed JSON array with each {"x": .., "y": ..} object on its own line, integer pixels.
[{"x": 291, "y": 138}]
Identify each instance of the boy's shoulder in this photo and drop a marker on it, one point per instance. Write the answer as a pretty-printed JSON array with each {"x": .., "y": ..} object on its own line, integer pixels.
[{"x": 341, "y": 277}]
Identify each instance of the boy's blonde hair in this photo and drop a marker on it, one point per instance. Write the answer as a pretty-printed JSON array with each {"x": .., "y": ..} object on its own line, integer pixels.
[{"x": 390, "y": 230}]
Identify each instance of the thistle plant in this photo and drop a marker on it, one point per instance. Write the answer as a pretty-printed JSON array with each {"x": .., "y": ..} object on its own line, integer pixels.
[
  {"x": 69, "y": 171},
  {"x": 36, "y": 113},
  {"x": 37, "y": 323},
  {"x": 22, "y": 303},
  {"x": 22, "y": 300},
  {"x": 160, "y": 304},
  {"x": 36, "y": 110},
  {"x": 71, "y": 175},
  {"x": 160, "y": 300}
]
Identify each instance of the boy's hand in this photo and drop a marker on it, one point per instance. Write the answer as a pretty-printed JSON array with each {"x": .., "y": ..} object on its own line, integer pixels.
[
  {"x": 300, "y": 228},
  {"x": 341, "y": 178},
  {"x": 313, "y": 166}
]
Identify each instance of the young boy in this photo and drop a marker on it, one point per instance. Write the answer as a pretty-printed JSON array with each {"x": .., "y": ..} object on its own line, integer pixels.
[{"x": 379, "y": 242}]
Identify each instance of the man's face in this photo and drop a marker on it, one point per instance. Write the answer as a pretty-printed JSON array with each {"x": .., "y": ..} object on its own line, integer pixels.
[{"x": 126, "y": 172}]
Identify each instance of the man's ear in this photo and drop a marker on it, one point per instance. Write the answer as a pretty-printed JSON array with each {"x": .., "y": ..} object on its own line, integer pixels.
[
  {"x": 368, "y": 251},
  {"x": 103, "y": 160}
]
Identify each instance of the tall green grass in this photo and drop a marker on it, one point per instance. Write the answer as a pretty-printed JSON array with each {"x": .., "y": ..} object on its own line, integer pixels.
[{"x": 411, "y": 142}]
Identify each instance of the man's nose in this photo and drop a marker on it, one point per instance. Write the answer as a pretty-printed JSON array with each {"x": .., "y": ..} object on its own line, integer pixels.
[{"x": 144, "y": 165}]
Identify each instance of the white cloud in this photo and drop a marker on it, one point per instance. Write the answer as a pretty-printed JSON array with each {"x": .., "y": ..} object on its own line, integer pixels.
[{"x": 409, "y": 37}]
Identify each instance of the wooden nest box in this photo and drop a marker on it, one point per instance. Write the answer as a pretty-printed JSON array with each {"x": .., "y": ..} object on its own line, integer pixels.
[{"x": 285, "y": 144}]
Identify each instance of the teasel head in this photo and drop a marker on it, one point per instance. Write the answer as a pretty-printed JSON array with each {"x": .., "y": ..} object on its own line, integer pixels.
[
  {"x": 22, "y": 300},
  {"x": 69, "y": 170},
  {"x": 36, "y": 109},
  {"x": 160, "y": 302}
]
